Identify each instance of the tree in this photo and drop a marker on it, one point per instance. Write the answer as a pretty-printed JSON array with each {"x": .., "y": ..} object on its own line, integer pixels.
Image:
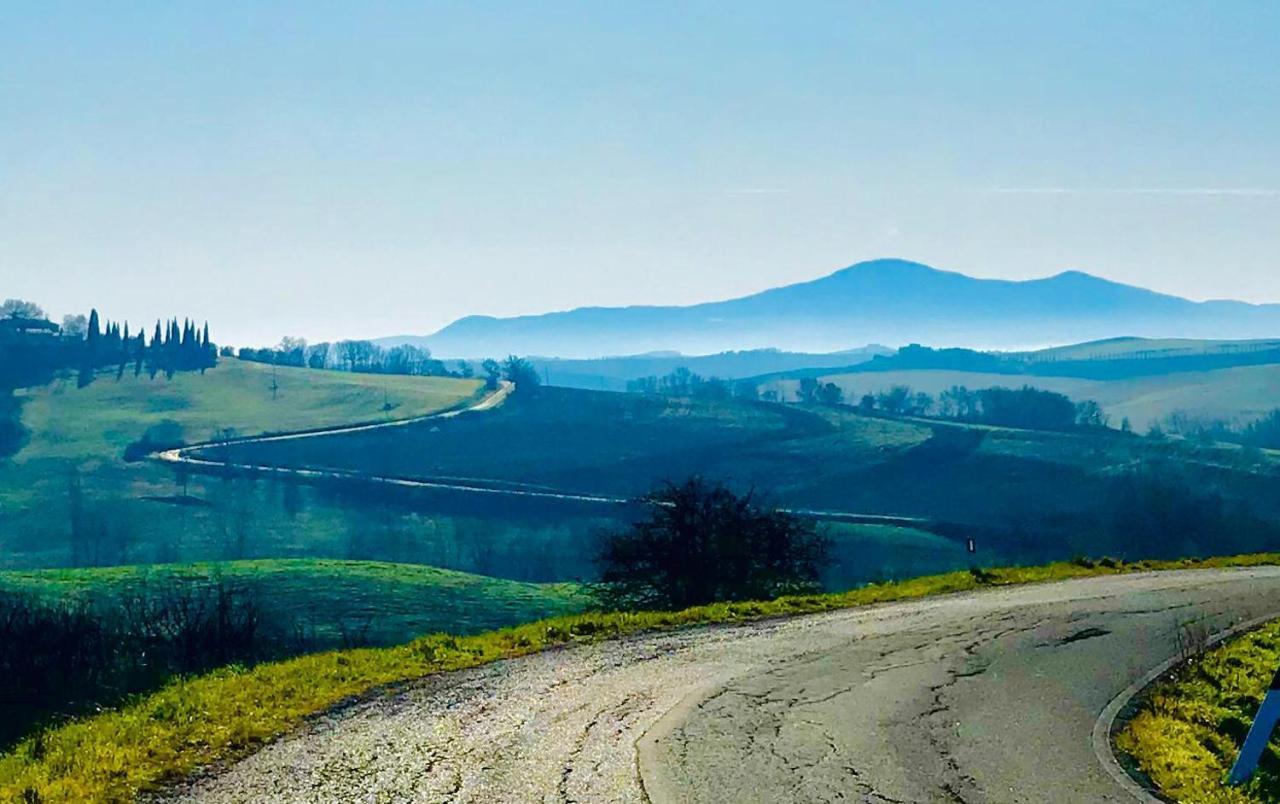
[
  {"x": 75, "y": 326},
  {"x": 318, "y": 355},
  {"x": 807, "y": 390},
  {"x": 746, "y": 389},
  {"x": 493, "y": 373},
  {"x": 407, "y": 359},
  {"x": 521, "y": 372},
  {"x": 17, "y": 308},
  {"x": 358, "y": 355},
  {"x": 921, "y": 404},
  {"x": 1090, "y": 414},
  {"x": 701, "y": 543},
  {"x": 830, "y": 394},
  {"x": 895, "y": 400},
  {"x": 867, "y": 403}
]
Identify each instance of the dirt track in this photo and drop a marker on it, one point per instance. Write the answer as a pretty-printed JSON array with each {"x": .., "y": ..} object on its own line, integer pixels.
[{"x": 989, "y": 696}]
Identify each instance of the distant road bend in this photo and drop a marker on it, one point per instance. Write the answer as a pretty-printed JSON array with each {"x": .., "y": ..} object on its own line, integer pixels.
[
  {"x": 184, "y": 456},
  {"x": 990, "y": 696}
]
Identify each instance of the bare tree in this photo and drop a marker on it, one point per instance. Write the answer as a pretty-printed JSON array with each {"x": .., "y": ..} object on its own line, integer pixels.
[{"x": 17, "y": 308}]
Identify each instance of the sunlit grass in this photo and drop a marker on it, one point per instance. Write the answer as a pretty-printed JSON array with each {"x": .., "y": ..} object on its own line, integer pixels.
[
  {"x": 1189, "y": 729},
  {"x": 390, "y": 602},
  {"x": 221, "y": 715}
]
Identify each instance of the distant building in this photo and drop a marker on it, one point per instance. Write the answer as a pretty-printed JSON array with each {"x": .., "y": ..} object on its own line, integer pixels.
[{"x": 19, "y": 329}]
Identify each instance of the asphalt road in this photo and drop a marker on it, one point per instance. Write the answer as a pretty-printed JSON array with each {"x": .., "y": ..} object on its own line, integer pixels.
[{"x": 983, "y": 697}]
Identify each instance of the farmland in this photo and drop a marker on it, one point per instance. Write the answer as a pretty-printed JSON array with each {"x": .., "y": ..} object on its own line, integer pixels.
[
  {"x": 1041, "y": 491},
  {"x": 140, "y": 512},
  {"x": 1233, "y": 394}
]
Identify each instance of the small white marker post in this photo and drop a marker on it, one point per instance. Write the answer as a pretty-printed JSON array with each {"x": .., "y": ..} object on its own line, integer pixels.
[{"x": 1259, "y": 735}]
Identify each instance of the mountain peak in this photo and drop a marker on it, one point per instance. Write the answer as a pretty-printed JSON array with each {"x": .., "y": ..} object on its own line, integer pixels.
[
  {"x": 889, "y": 265},
  {"x": 1078, "y": 276}
]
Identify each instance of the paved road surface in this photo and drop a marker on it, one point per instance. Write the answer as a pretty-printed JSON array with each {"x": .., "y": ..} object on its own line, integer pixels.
[{"x": 982, "y": 697}]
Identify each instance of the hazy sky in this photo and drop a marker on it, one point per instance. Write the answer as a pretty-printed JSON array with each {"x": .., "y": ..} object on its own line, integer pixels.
[{"x": 363, "y": 169}]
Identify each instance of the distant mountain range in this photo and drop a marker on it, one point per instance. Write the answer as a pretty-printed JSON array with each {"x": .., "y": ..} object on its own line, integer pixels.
[{"x": 888, "y": 301}]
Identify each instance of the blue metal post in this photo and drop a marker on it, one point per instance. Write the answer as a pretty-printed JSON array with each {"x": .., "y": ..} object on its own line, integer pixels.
[{"x": 1264, "y": 723}]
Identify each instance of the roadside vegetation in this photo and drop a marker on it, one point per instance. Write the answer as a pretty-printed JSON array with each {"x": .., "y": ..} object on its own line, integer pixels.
[
  {"x": 1189, "y": 728},
  {"x": 193, "y": 722},
  {"x": 699, "y": 543},
  {"x": 76, "y": 640}
]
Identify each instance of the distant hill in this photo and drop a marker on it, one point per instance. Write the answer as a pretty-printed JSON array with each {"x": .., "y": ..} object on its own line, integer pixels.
[
  {"x": 612, "y": 373},
  {"x": 883, "y": 301}
]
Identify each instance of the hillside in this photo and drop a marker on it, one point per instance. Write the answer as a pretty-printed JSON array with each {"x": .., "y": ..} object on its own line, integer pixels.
[
  {"x": 1046, "y": 491},
  {"x": 103, "y": 418},
  {"x": 613, "y": 373},
  {"x": 71, "y": 481},
  {"x": 1232, "y": 394},
  {"x": 377, "y": 602},
  {"x": 883, "y": 301}
]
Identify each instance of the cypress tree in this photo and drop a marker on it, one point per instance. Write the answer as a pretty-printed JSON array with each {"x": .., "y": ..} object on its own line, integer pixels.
[
  {"x": 153, "y": 353},
  {"x": 139, "y": 353}
]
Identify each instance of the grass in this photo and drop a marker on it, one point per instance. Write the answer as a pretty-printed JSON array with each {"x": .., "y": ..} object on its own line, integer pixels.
[
  {"x": 387, "y": 603},
  {"x": 1188, "y": 730},
  {"x": 102, "y": 419},
  {"x": 225, "y": 714},
  {"x": 85, "y": 432}
]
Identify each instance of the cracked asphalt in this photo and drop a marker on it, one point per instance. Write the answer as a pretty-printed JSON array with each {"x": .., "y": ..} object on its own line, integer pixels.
[{"x": 982, "y": 697}]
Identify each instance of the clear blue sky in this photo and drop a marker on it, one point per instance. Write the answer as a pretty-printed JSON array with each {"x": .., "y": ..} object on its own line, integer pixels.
[{"x": 362, "y": 169}]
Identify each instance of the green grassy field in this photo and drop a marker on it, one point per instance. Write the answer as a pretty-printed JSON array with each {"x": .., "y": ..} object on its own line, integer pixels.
[
  {"x": 386, "y": 603},
  {"x": 1189, "y": 728},
  {"x": 101, "y": 420},
  {"x": 225, "y": 714},
  {"x": 137, "y": 512}
]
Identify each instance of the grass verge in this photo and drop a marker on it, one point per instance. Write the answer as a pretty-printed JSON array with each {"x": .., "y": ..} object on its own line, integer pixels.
[
  {"x": 225, "y": 714},
  {"x": 1189, "y": 728}
]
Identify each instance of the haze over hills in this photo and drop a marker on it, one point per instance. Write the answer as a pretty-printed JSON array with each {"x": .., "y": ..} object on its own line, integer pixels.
[{"x": 887, "y": 301}]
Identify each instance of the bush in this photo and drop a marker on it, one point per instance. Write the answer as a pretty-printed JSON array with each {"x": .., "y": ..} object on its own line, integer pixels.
[
  {"x": 65, "y": 658},
  {"x": 167, "y": 434},
  {"x": 701, "y": 543}
]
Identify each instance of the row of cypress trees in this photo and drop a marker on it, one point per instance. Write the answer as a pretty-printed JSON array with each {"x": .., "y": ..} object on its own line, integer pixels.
[{"x": 173, "y": 347}]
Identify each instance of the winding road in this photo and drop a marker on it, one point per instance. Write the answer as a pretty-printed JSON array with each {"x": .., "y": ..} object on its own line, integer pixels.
[
  {"x": 186, "y": 456},
  {"x": 990, "y": 696}
]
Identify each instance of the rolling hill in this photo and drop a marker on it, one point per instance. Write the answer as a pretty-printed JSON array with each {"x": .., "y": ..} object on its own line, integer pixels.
[
  {"x": 1041, "y": 488},
  {"x": 79, "y": 437},
  {"x": 385, "y": 603},
  {"x": 883, "y": 301}
]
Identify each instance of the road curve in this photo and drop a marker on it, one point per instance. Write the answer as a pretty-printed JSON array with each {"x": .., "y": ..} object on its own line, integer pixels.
[
  {"x": 988, "y": 696},
  {"x": 184, "y": 456}
]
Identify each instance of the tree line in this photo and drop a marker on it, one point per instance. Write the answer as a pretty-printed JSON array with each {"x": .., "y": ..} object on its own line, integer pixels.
[
  {"x": 367, "y": 357},
  {"x": 34, "y": 350},
  {"x": 1025, "y": 407},
  {"x": 683, "y": 382},
  {"x": 1260, "y": 433},
  {"x": 357, "y": 356}
]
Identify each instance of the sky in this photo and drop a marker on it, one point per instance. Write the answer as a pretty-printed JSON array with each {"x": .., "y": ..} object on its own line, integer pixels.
[{"x": 341, "y": 170}]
